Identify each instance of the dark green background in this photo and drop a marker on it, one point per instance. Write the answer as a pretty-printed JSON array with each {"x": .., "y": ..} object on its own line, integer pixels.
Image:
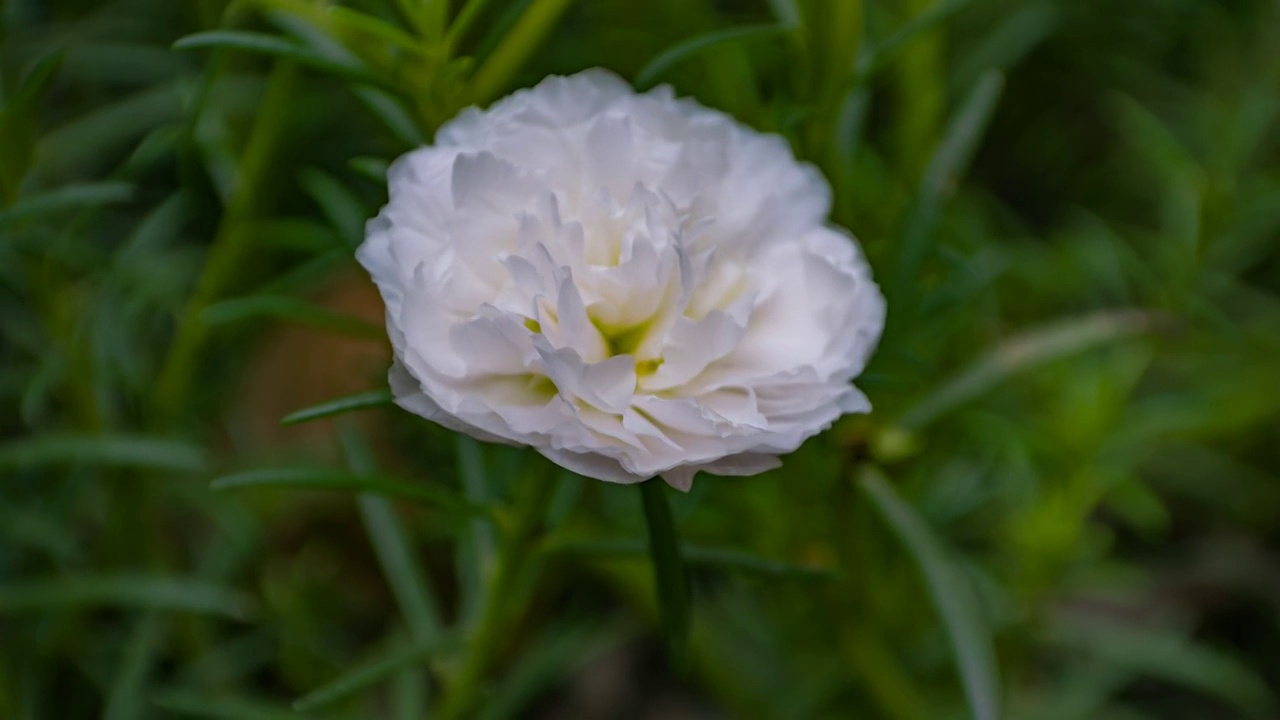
[{"x": 1065, "y": 502}]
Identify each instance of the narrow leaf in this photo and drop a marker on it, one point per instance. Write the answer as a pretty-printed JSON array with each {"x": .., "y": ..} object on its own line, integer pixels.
[
  {"x": 358, "y": 28},
  {"x": 160, "y": 226},
  {"x": 729, "y": 559},
  {"x": 681, "y": 52},
  {"x": 668, "y": 569},
  {"x": 26, "y": 526},
  {"x": 341, "y": 480},
  {"x": 519, "y": 43},
  {"x": 549, "y": 659},
  {"x": 308, "y": 274},
  {"x": 36, "y": 80},
  {"x": 278, "y": 307},
  {"x": 103, "y": 450},
  {"x": 296, "y": 235},
  {"x": 467, "y": 15},
  {"x": 951, "y": 596},
  {"x": 1009, "y": 42},
  {"x": 372, "y": 168},
  {"x": 922, "y": 22},
  {"x": 221, "y": 707},
  {"x": 340, "y": 406},
  {"x": 476, "y": 553},
  {"x": 126, "y": 699},
  {"x": 274, "y": 46},
  {"x": 339, "y": 205},
  {"x": 1170, "y": 656},
  {"x": 947, "y": 164},
  {"x": 393, "y": 549},
  {"x": 366, "y": 676},
  {"x": 426, "y": 17},
  {"x": 695, "y": 556},
  {"x": 18, "y": 124},
  {"x": 391, "y": 112},
  {"x": 96, "y": 139},
  {"x": 786, "y": 11},
  {"x": 124, "y": 591},
  {"x": 1022, "y": 352},
  {"x": 67, "y": 199}
]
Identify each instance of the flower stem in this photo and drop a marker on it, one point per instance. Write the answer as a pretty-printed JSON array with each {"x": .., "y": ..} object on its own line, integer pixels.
[
  {"x": 521, "y": 41},
  {"x": 502, "y": 596},
  {"x": 230, "y": 245},
  {"x": 668, "y": 570}
]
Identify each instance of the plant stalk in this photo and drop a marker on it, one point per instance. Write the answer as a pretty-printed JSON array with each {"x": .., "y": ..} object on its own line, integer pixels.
[
  {"x": 502, "y": 597},
  {"x": 230, "y": 245},
  {"x": 669, "y": 574}
]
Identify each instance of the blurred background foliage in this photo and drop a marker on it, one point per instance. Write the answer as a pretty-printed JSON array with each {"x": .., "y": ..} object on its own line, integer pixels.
[{"x": 1065, "y": 504}]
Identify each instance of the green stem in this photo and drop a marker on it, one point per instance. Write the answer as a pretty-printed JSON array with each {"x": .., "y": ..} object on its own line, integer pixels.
[
  {"x": 500, "y": 609},
  {"x": 533, "y": 27},
  {"x": 466, "y": 18},
  {"x": 668, "y": 569},
  {"x": 230, "y": 245},
  {"x": 837, "y": 31},
  {"x": 920, "y": 94}
]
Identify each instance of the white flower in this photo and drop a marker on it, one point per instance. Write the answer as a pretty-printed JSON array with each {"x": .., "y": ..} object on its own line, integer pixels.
[{"x": 633, "y": 285}]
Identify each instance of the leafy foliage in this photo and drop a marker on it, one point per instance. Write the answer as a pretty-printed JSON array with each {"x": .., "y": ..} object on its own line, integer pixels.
[{"x": 1063, "y": 506}]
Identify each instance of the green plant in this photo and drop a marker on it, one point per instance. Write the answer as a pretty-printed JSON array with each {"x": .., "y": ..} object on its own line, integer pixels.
[{"x": 1061, "y": 507}]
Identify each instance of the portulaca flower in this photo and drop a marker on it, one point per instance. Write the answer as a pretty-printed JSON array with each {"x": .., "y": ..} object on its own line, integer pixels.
[{"x": 633, "y": 285}]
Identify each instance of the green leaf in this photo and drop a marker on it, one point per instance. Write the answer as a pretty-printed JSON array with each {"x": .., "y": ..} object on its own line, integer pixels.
[
  {"x": 427, "y": 17},
  {"x": 550, "y": 658},
  {"x": 36, "y": 81},
  {"x": 372, "y": 168},
  {"x": 949, "y": 161},
  {"x": 951, "y": 596},
  {"x": 1022, "y": 352},
  {"x": 695, "y": 556},
  {"x": 125, "y": 451},
  {"x": 467, "y": 15},
  {"x": 93, "y": 142},
  {"x": 356, "y": 27},
  {"x": 341, "y": 480},
  {"x": 221, "y": 707},
  {"x": 159, "y": 227},
  {"x": 158, "y": 146},
  {"x": 786, "y": 11},
  {"x": 295, "y": 234},
  {"x": 1009, "y": 42},
  {"x": 125, "y": 699},
  {"x": 737, "y": 560},
  {"x": 683, "y": 51},
  {"x": 25, "y": 526},
  {"x": 279, "y": 307},
  {"x": 66, "y": 199},
  {"x": 390, "y": 111},
  {"x": 19, "y": 124},
  {"x": 668, "y": 569},
  {"x": 125, "y": 591},
  {"x": 1170, "y": 656},
  {"x": 519, "y": 43},
  {"x": 340, "y": 206},
  {"x": 476, "y": 552},
  {"x": 921, "y": 22},
  {"x": 367, "y": 675},
  {"x": 339, "y": 406},
  {"x": 306, "y": 21},
  {"x": 278, "y": 47},
  {"x": 110, "y": 63},
  {"x": 309, "y": 274},
  {"x": 564, "y": 498},
  {"x": 394, "y": 551}
]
